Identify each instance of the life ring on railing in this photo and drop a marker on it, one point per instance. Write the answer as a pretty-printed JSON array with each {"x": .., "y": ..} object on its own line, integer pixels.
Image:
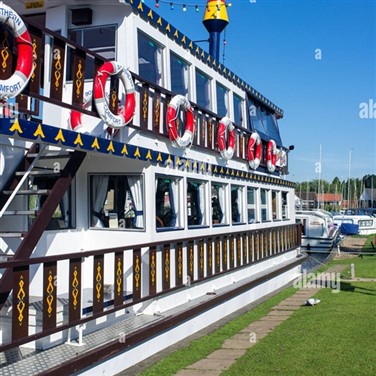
[
  {"x": 112, "y": 68},
  {"x": 75, "y": 119},
  {"x": 226, "y": 124},
  {"x": 14, "y": 85},
  {"x": 271, "y": 155},
  {"x": 254, "y": 151},
  {"x": 177, "y": 102}
]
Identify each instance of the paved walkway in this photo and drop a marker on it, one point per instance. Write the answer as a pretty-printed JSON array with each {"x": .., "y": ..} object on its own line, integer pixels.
[{"x": 236, "y": 346}]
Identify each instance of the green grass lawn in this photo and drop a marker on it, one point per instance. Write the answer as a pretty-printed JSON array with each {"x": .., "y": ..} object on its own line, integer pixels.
[{"x": 336, "y": 337}]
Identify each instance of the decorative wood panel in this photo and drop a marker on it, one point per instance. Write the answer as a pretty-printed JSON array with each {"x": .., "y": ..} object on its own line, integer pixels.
[
  {"x": 78, "y": 77},
  {"x": 20, "y": 314},
  {"x": 137, "y": 276},
  {"x": 75, "y": 289},
  {"x": 144, "y": 106},
  {"x": 209, "y": 257},
  {"x": 38, "y": 45},
  {"x": 190, "y": 260},
  {"x": 232, "y": 252},
  {"x": 179, "y": 264},
  {"x": 57, "y": 69},
  {"x": 166, "y": 265},
  {"x": 98, "y": 276},
  {"x": 201, "y": 258},
  {"x": 224, "y": 253},
  {"x": 157, "y": 112},
  {"x": 217, "y": 255},
  {"x": 49, "y": 295},
  {"x": 119, "y": 279},
  {"x": 153, "y": 270}
]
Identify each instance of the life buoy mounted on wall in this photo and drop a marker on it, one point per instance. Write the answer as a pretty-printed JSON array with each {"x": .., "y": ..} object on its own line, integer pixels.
[
  {"x": 271, "y": 155},
  {"x": 112, "y": 68},
  {"x": 14, "y": 85},
  {"x": 254, "y": 151},
  {"x": 176, "y": 103},
  {"x": 226, "y": 124}
]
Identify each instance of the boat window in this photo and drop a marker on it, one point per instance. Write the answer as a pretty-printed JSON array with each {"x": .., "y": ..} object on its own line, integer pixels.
[
  {"x": 179, "y": 75},
  {"x": 150, "y": 59},
  {"x": 222, "y": 100},
  {"x": 117, "y": 202},
  {"x": 98, "y": 39},
  {"x": 62, "y": 217},
  {"x": 264, "y": 122},
  {"x": 203, "y": 90},
  {"x": 285, "y": 205},
  {"x": 276, "y": 205},
  {"x": 218, "y": 194},
  {"x": 238, "y": 110},
  {"x": 237, "y": 204},
  {"x": 196, "y": 203},
  {"x": 167, "y": 209},
  {"x": 251, "y": 204},
  {"x": 264, "y": 205}
]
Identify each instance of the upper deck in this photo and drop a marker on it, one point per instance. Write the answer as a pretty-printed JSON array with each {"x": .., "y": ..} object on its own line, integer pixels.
[{"x": 163, "y": 62}]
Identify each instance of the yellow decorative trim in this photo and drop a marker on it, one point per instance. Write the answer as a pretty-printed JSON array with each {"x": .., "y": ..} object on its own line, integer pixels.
[
  {"x": 137, "y": 269},
  {"x": 49, "y": 290},
  {"x": 21, "y": 303},
  {"x": 148, "y": 155},
  {"x": 152, "y": 269},
  {"x": 60, "y": 136},
  {"x": 150, "y": 14},
  {"x": 159, "y": 22},
  {"x": 111, "y": 147},
  {"x": 16, "y": 127},
  {"x": 78, "y": 140},
  {"x": 98, "y": 279},
  {"x": 137, "y": 152},
  {"x": 119, "y": 276},
  {"x": 95, "y": 144},
  {"x": 124, "y": 150},
  {"x": 159, "y": 158},
  {"x": 75, "y": 284},
  {"x": 39, "y": 132}
]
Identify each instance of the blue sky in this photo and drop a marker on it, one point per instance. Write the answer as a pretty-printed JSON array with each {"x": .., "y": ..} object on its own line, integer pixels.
[{"x": 314, "y": 59}]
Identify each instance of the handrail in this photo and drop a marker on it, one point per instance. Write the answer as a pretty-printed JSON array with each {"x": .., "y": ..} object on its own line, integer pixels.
[{"x": 19, "y": 185}]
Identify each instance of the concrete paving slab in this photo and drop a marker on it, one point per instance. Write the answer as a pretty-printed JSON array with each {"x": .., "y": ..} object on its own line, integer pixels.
[
  {"x": 201, "y": 372},
  {"x": 211, "y": 364},
  {"x": 227, "y": 354},
  {"x": 236, "y": 344}
]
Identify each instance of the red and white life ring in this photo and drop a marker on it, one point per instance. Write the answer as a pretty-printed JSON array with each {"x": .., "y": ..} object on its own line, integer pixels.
[
  {"x": 75, "y": 119},
  {"x": 271, "y": 155},
  {"x": 254, "y": 151},
  {"x": 112, "y": 68},
  {"x": 14, "y": 85},
  {"x": 177, "y": 102},
  {"x": 226, "y": 124}
]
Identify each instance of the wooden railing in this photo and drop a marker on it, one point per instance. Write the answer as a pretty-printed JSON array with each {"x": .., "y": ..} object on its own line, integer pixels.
[
  {"x": 152, "y": 270},
  {"x": 69, "y": 59}
]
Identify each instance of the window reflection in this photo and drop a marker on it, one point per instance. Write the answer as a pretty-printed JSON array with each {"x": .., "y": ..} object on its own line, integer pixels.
[
  {"x": 203, "y": 90},
  {"x": 179, "y": 75}
]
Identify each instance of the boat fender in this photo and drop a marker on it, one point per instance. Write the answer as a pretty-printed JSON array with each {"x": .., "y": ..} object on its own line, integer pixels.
[
  {"x": 112, "y": 68},
  {"x": 15, "y": 84},
  {"x": 176, "y": 103},
  {"x": 254, "y": 150},
  {"x": 271, "y": 155},
  {"x": 226, "y": 124}
]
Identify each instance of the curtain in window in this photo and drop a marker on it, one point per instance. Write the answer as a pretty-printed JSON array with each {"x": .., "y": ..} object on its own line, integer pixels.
[
  {"x": 174, "y": 197},
  {"x": 201, "y": 204},
  {"x": 99, "y": 193},
  {"x": 222, "y": 203},
  {"x": 158, "y": 66},
  {"x": 135, "y": 185},
  {"x": 64, "y": 207},
  {"x": 185, "y": 73}
]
